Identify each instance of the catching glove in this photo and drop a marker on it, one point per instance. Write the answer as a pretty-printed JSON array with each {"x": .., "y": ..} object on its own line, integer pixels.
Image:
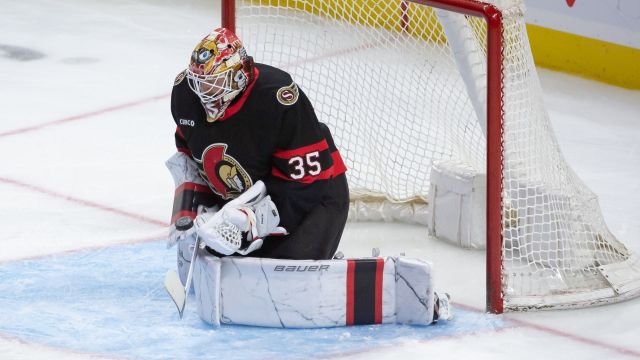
[{"x": 241, "y": 225}]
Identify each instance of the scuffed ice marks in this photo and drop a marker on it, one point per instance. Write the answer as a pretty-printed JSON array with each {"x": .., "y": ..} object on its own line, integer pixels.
[
  {"x": 25, "y": 54},
  {"x": 20, "y": 53}
]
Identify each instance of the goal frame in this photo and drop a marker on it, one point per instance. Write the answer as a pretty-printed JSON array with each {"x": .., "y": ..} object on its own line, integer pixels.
[{"x": 495, "y": 129}]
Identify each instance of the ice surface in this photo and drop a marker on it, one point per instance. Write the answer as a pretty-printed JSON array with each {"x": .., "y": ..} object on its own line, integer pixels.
[
  {"x": 84, "y": 131},
  {"x": 111, "y": 301}
]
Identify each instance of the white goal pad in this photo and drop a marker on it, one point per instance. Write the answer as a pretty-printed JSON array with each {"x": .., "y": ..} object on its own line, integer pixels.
[
  {"x": 457, "y": 210},
  {"x": 310, "y": 293}
]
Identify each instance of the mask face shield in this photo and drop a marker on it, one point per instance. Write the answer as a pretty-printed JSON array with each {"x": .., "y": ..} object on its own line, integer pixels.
[
  {"x": 211, "y": 88},
  {"x": 219, "y": 70},
  {"x": 217, "y": 91}
]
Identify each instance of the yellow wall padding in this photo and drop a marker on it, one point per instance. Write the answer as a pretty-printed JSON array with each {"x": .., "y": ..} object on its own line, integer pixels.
[
  {"x": 387, "y": 15},
  {"x": 607, "y": 62}
]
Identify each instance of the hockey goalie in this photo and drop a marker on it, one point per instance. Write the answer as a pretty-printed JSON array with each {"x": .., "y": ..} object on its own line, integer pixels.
[{"x": 261, "y": 200}]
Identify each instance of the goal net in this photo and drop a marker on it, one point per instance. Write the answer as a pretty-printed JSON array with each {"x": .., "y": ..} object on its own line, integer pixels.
[{"x": 405, "y": 85}]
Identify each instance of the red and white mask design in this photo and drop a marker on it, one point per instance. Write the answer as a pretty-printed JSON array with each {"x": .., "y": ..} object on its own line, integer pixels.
[{"x": 219, "y": 70}]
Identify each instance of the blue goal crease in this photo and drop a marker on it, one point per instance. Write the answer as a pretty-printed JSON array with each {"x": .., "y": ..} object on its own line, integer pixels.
[{"x": 112, "y": 302}]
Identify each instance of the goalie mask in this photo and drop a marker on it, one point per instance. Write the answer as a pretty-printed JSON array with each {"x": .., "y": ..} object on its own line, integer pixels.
[{"x": 219, "y": 71}]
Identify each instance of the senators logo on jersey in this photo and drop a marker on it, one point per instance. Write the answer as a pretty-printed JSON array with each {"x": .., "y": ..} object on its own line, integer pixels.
[
  {"x": 288, "y": 95},
  {"x": 225, "y": 176}
]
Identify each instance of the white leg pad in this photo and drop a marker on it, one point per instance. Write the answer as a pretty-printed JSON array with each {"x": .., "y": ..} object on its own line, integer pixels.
[
  {"x": 414, "y": 293},
  {"x": 309, "y": 293},
  {"x": 206, "y": 282},
  {"x": 184, "y": 252}
]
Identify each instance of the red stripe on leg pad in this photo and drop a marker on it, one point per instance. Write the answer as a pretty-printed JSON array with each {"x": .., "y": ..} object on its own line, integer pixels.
[
  {"x": 351, "y": 265},
  {"x": 379, "y": 275},
  {"x": 364, "y": 291}
]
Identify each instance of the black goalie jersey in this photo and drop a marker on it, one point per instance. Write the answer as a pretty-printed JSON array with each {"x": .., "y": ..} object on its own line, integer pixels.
[{"x": 270, "y": 133}]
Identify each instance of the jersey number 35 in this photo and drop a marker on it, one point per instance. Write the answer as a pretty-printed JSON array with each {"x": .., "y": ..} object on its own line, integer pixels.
[{"x": 307, "y": 165}]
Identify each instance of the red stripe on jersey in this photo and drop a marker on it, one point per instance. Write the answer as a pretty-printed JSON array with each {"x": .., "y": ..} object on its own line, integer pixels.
[
  {"x": 181, "y": 149},
  {"x": 351, "y": 265},
  {"x": 338, "y": 165},
  {"x": 378, "y": 296},
  {"x": 336, "y": 169},
  {"x": 324, "y": 175},
  {"x": 185, "y": 151},
  {"x": 179, "y": 132},
  {"x": 179, "y": 214},
  {"x": 234, "y": 108},
  {"x": 192, "y": 186},
  {"x": 302, "y": 151}
]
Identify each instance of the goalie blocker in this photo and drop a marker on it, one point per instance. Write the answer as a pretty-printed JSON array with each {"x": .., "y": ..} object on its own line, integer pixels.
[{"x": 316, "y": 293}]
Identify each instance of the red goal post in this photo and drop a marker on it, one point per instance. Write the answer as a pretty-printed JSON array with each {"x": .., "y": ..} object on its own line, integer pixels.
[{"x": 493, "y": 17}]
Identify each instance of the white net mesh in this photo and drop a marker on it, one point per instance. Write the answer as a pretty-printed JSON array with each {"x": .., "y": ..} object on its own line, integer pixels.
[{"x": 400, "y": 93}]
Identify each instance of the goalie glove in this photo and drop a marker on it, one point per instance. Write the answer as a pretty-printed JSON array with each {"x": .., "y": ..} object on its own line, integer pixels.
[{"x": 240, "y": 226}]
